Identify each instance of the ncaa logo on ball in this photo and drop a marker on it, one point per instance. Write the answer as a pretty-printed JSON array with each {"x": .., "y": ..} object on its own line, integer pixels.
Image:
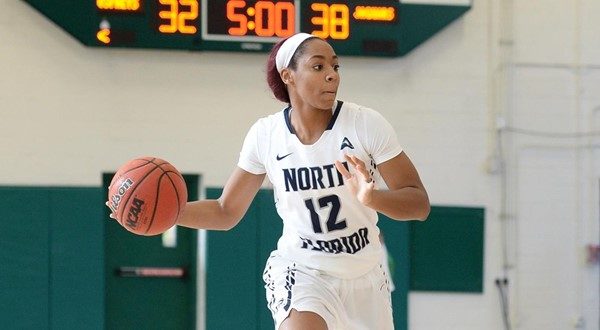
[
  {"x": 134, "y": 213},
  {"x": 116, "y": 198}
]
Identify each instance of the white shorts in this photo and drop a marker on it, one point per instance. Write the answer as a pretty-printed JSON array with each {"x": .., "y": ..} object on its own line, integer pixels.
[{"x": 359, "y": 303}]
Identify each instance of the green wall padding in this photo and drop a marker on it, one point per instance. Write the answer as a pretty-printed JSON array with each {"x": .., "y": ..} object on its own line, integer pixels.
[
  {"x": 269, "y": 231},
  {"x": 51, "y": 258},
  {"x": 52, "y": 254},
  {"x": 233, "y": 276},
  {"x": 76, "y": 258},
  {"x": 24, "y": 258},
  {"x": 447, "y": 250}
]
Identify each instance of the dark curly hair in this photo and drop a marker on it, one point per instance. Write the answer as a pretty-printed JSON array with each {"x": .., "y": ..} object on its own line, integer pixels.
[{"x": 273, "y": 78}]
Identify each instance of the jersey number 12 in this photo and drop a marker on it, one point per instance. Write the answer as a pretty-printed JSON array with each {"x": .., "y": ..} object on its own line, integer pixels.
[{"x": 332, "y": 201}]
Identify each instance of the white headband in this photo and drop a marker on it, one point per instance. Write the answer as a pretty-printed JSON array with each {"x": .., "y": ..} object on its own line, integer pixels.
[{"x": 288, "y": 48}]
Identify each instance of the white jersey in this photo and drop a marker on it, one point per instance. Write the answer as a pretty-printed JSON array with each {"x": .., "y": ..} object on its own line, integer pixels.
[{"x": 325, "y": 227}]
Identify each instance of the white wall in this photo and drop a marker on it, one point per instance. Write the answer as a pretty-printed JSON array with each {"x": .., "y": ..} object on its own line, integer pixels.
[
  {"x": 68, "y": 113},
  {"x": 554, "y": 181}
]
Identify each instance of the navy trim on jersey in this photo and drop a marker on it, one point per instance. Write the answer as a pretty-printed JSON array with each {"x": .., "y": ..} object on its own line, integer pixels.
[
  {"x": 288, "y": 122},
  {"x": 335, "y": 115}
]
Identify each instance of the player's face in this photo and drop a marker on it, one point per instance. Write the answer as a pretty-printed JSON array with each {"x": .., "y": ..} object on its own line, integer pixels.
[{"x": 316, "y": 78}]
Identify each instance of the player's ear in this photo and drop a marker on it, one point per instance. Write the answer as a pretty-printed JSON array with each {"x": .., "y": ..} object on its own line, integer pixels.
[{"x": 286, "y": 76}]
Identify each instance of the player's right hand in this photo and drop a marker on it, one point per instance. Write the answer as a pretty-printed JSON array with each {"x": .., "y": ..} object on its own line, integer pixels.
[{"x": 359, "y": 182}]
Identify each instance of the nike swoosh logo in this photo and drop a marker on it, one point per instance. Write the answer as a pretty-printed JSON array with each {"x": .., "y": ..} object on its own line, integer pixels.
[{"x": 282, "y": 157}]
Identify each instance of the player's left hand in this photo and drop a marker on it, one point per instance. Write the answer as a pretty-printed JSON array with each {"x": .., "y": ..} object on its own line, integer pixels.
[{"x": 359, "y": 181}]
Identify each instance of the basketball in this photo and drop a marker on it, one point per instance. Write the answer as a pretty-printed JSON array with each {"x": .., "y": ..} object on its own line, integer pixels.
[{"x": 147, "y": 195}]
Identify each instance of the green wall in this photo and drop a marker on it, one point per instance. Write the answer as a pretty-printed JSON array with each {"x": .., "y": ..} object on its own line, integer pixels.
[
  {"x": 52, "y": 249},
  {"x": 447, "y": 250},
  {"x": 51, "y": 274},
  {"x": 235, "y": 297}
]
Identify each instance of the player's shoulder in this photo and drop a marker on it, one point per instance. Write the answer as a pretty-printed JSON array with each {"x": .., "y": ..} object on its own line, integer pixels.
[
  {"x": 351, "y": 107},
  {"x": 269, "y": 122},
  {"x": 360, "y": 112}
]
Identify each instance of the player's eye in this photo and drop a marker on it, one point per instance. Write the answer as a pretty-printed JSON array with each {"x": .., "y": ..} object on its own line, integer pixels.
[
  {"x": 336, "y": 67},
  {"x": 318, "y": 67}
]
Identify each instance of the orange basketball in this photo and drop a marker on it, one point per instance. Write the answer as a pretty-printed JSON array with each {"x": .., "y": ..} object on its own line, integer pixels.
[{"x": 147, "y": 195}]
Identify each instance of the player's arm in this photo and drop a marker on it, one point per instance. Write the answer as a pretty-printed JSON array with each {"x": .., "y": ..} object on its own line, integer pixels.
[
  {"x": 227, "y": 211},
  {"x": 405, "y": 199}
]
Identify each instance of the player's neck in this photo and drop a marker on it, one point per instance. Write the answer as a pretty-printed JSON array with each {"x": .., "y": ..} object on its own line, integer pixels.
[{"x": 309, "y": 123}]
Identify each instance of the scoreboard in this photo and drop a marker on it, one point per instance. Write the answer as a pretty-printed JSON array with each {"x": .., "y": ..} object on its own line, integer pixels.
[{"x": 353, "y": 27}]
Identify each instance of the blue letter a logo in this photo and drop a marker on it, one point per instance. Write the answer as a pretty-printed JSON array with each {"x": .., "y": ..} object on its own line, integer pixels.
[{"x": 346, "y": 144}]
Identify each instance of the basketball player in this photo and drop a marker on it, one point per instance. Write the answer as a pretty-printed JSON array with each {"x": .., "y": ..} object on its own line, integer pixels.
[{"x": 333, "y": 166}]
